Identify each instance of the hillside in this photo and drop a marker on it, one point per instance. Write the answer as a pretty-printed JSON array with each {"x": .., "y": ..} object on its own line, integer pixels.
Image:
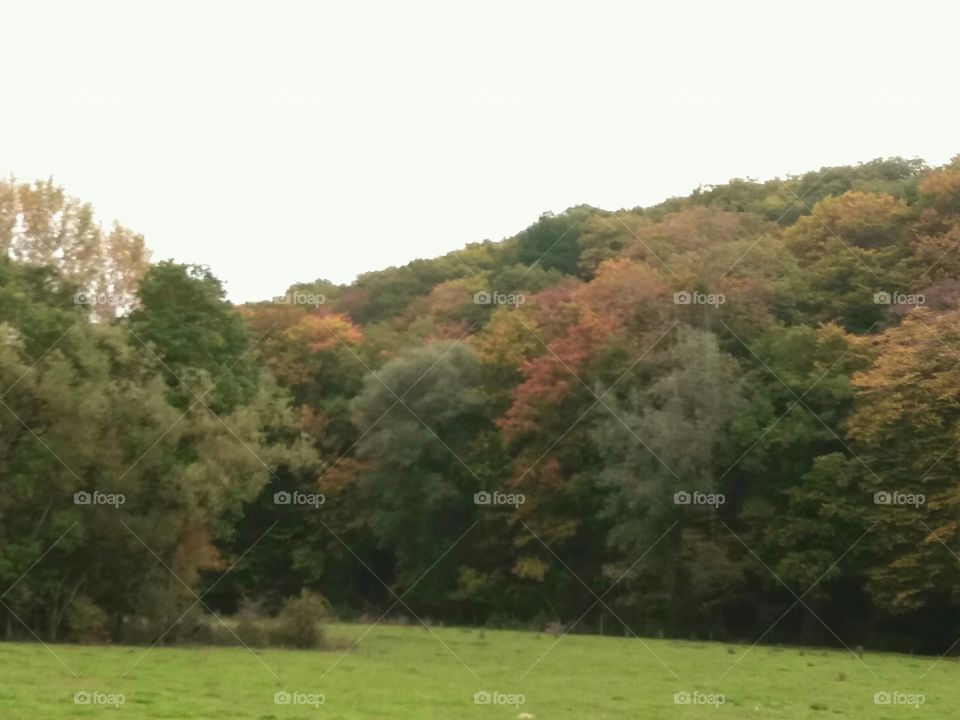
[{"x": 731, "y": 416}]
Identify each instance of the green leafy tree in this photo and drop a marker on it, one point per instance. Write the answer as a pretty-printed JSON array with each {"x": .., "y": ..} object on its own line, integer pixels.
[
  {"x": 419, "y": 482},
  {"x": 661, "y": 438},
  {"x": 552, "y": 242},
  {"x": 201, "y": 341}
]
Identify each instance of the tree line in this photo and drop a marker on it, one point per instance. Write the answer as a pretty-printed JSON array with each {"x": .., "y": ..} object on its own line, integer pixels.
[{"x": 731, "y": 415}]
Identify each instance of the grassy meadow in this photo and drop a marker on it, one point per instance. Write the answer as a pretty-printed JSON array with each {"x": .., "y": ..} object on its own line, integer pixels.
[{"x": 411, "y": 673}]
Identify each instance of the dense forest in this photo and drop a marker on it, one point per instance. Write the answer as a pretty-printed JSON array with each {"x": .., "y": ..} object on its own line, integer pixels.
[{"x": 732, "y": 415}]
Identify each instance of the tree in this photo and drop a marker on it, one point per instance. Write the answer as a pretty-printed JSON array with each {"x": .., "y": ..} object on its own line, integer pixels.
[
  {"x": 551, "y": 242},
  {"x": 41, "y": 225},
  {"x": 661, "y": 438},
  {"x": 850, "y": 249},
  {"x": 200, "y": 340},
  {"x": 419, "y": 482},
  {"x": 90, "y": 413},
  {"x": 905, "y": 428}
]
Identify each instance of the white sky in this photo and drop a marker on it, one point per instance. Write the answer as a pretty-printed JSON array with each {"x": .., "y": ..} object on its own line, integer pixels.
[{"x": 281, "y": 141}]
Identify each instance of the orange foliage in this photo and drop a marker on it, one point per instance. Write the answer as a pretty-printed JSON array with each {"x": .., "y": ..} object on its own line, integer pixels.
[
  {"x": 859, "y": 219},
  {"x": 940, "y": 189},
  {"x": 290, "y": 334},
  {"x": 623, "y": 294}
]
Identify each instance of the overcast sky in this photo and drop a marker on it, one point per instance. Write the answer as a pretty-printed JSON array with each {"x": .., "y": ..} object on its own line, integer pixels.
[{"x": 280, "y": 142}]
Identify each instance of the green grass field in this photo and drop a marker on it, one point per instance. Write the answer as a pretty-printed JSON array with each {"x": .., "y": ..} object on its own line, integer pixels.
[{"x": 411, "y": 673}]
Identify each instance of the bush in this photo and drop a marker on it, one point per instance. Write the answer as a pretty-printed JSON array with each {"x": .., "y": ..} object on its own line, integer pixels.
[
  {"x": 137, "y": 631},
  {"x": 299, "y": 622},
  {"x": 86, "y": 622},
  {"x": 250, "y": 626},
  {"x": 196, "y": 627}
]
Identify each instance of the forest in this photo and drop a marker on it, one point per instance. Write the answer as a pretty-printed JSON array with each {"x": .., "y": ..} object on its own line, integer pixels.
[{"x": 732, "y": 416}]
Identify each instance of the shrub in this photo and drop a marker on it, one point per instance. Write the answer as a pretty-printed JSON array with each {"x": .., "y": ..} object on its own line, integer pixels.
[
  {"x": 250, "y": 626},
  {"x": 299, "y": 622},
  {"x": 196, "y": 627},
  {"x": 86, "y": 622}
]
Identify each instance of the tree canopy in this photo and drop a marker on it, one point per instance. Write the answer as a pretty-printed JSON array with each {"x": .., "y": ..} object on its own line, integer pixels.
[{"x": 700, "y": 410}]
